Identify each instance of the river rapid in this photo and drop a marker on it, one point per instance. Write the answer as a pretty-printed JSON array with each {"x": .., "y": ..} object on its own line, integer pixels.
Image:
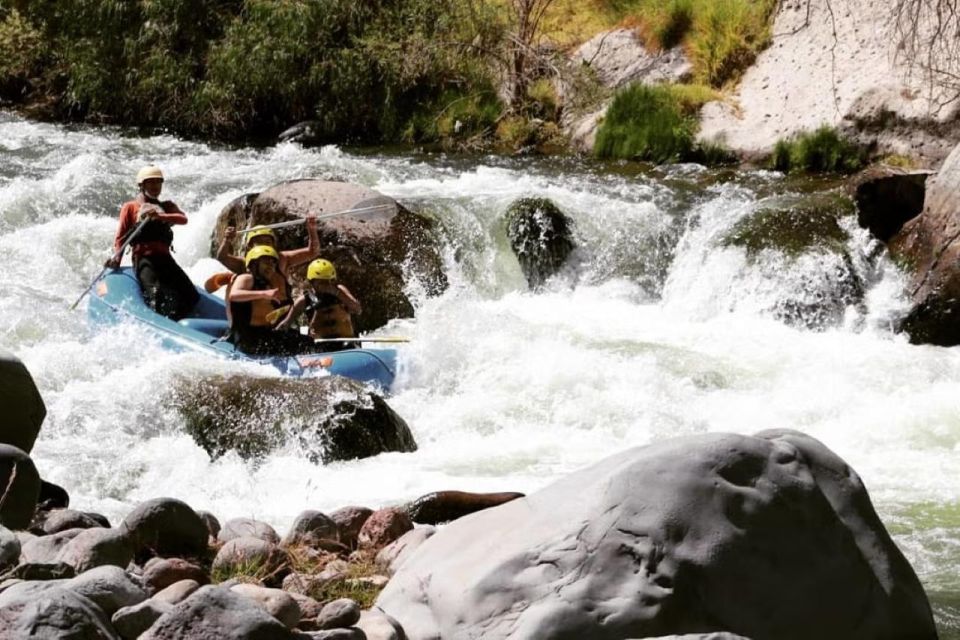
[{"x": 656, "y": 329}]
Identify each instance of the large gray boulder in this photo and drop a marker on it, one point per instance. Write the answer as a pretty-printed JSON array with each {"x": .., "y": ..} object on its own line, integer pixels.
[
  {"x": 770, "y": 536},
  {"x": 217, "y": 613},
  {"x": 21, "y": 488},
  {"x": 928, "y": 246},
  {"x": 96, "y": 548},
  {"x": 21, "y": 406},
  {"x": 375, "y": 251},
  {"x": 328, "y": 419},
  {"x": 109, "y": 587},
  {"x": 41, "y": 611}
]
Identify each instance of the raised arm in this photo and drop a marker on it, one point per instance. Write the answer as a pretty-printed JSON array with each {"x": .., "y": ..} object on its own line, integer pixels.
[
  {"x": 227, "y": 259},
  {"x": 307, "y": 253},
  {"x": 348, "y": 301}
]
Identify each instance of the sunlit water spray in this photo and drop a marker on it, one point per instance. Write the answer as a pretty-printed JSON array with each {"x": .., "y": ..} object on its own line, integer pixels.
[{"x": 656, "y": 329}]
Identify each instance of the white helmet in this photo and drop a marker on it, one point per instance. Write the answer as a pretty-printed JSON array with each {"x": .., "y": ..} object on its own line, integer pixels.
[{"x": 149, "y": 173}]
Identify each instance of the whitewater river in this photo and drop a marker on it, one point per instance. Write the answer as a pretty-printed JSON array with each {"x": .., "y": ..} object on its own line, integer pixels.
[{"x": 657, "y": 329}]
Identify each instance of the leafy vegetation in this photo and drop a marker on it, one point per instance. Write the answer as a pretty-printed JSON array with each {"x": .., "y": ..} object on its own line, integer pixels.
[
  {"x": 722, "y": 37},
  {"x": 235, "y": 68},
  {"x": 656, "y": 123},
  {"x": 820, "y": 150}
]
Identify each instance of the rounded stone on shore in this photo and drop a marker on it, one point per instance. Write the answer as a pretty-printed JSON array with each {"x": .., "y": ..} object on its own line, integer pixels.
[
  {"x": 130, "y": 622},
  {"x": 339, "y": 613},
  {"x": 9, "y": 549},
  {"x": 176, "y": 592},
  {"x": 109, "y": 587},
  {"x": 247, "y": 528},
  {"x": 59, "y": 520},
  {"x": 382, "y": 528},
  {"x": 251, "y": 557},
  {"x": 20, "y": 404},
  {"x": 349, "y": 521},
  {"x": 166, "y": 527},
  {"x": 160, "y": 573},
  {"x": 48, "y": 611},
  {"x": 97, "y": 547},
  {"x": 21, "y": 483},
  {"x": 215, "y": 612},
  {"x": 278, "y": 603},
  {"x": 310, "y": 527}
]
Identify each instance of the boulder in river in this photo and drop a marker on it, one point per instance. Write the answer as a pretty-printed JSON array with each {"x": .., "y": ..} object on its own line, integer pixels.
[
  {"x": 928, "y": 246},
  {"x": 803, "y": 227},
  {"x": 766, "y": 536},
  {"x": 166, "y": 526},
  {"x": 887, "y": 197},
  {"x": 375, "y": 251},
  {"x": 541, "y": 237},
  {"x": 21, "y": 406},
  {"x": 21, "y": 483},
  {"x": 444, "y": 506},
  {"x": 329, "y": 418}
]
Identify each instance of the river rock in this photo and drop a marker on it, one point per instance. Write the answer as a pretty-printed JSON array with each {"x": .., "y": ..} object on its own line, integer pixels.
[
  {"x": 46, "y": 549},
  {"x": 349, "y": 521},
  {"x": 21, "y": 485},
  {"x": 21, "y": 406},
  {"x": 375, "y": 252},
  {"x": 541, "y": 237},
  {"x": 443, "y": 506},
  {"x": 130, "y": 622},
  {"x": 798, "y": 227},
  {"x": 50, "y": 612},
  {"x": 176, "y": 592},
  {"x": 213, "y": 525},
  {"x": 279, "y": 604},
  {"x": 166, "y": 526},
  {"x": 216, "y": 612},
  {"x": 382, "y": 528},
  {"x": 338, "y": 614},
  {"x": 336, "y": 634},
  {"x": 247, "y": 528},
  {"x": 110, "y": 588},
  {"x": 160, "y": 573},
  {"x": 329, "y": 418},
  {"x": 392, "y": 556},
  {"x": 250, "y": 557},
  {"x": 887, "y": 197},
  {"x": 379, "y": 626},
  {"x": 309, "y": 133},
  {"x": 98, "y": 547},
  {"x": 767, "y": 536},
  {"x": 9, "y": 549},
  {"x": 59, "y": 520},
  {"x": 309, "y": 527},
  {"x": 928, "y": 246},
  {"x": 52, "y": 496}
]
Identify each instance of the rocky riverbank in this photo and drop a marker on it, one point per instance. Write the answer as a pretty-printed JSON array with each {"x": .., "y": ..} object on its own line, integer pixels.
[{"x": 700, "y": 535}]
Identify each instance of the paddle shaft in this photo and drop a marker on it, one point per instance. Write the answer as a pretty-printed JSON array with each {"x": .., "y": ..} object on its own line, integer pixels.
[
  {"x": 118, "y": 254},
  {"x": 293, "y": 223},
  {"x": 321, "y": 340}
]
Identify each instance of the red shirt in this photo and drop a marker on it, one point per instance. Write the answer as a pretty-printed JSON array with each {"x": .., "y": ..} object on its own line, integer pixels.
[{"x": 128, "y": 222}]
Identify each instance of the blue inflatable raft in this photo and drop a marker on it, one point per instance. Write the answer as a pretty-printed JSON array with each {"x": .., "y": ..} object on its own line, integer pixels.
[{"x": 117, "y": 298}]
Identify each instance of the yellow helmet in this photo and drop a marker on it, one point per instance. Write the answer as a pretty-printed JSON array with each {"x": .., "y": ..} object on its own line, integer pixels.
[
  {"x": 149, "y": 173},
  {"x": 260, "y": 231},
  {"x": 321, "y": 269},
  {"x": 261, "y": 251}
]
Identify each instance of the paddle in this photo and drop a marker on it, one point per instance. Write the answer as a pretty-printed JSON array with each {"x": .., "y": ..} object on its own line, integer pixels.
[
  {"x": 293, "y": 223},
  {"x": 117, "y": 255},
  {"x": 321, "y": 340}
]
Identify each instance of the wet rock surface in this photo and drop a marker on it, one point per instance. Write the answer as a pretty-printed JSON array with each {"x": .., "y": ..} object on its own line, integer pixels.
[
  {"x": 541, "y": 236},
  {"x": 330, "y": 418}
]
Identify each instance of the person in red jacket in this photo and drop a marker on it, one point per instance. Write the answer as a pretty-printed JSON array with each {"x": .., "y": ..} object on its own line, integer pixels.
[{"x": 166, "y": 288}]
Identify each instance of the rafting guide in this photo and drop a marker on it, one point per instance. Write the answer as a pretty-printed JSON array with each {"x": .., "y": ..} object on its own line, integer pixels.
[{"x": 146, "y": 225}]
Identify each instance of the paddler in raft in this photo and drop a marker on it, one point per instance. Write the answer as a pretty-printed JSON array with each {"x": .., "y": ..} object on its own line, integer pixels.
[
  {"x": 166, "y": 288},
  {"x": 258, "y": 303},
  {"x": 330, "y": 306}
]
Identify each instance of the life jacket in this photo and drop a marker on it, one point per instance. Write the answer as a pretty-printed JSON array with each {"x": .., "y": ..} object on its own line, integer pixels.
[
  {"x": 244, "y": 315},
  {"x": 330, "y": 318},
  {"x": 154, "y": 230}
]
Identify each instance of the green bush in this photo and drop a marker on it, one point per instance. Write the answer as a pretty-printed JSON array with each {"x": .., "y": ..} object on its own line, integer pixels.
[
  {"x": 645, "y": 123},
  {"x": 820, "y": 150},
  {"x": 21, "y": 51}
]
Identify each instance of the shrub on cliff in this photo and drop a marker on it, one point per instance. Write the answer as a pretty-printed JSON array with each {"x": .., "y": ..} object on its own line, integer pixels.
[
  {"x": 820, "y": 150},
  {"x": 656, "y": 123}
]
